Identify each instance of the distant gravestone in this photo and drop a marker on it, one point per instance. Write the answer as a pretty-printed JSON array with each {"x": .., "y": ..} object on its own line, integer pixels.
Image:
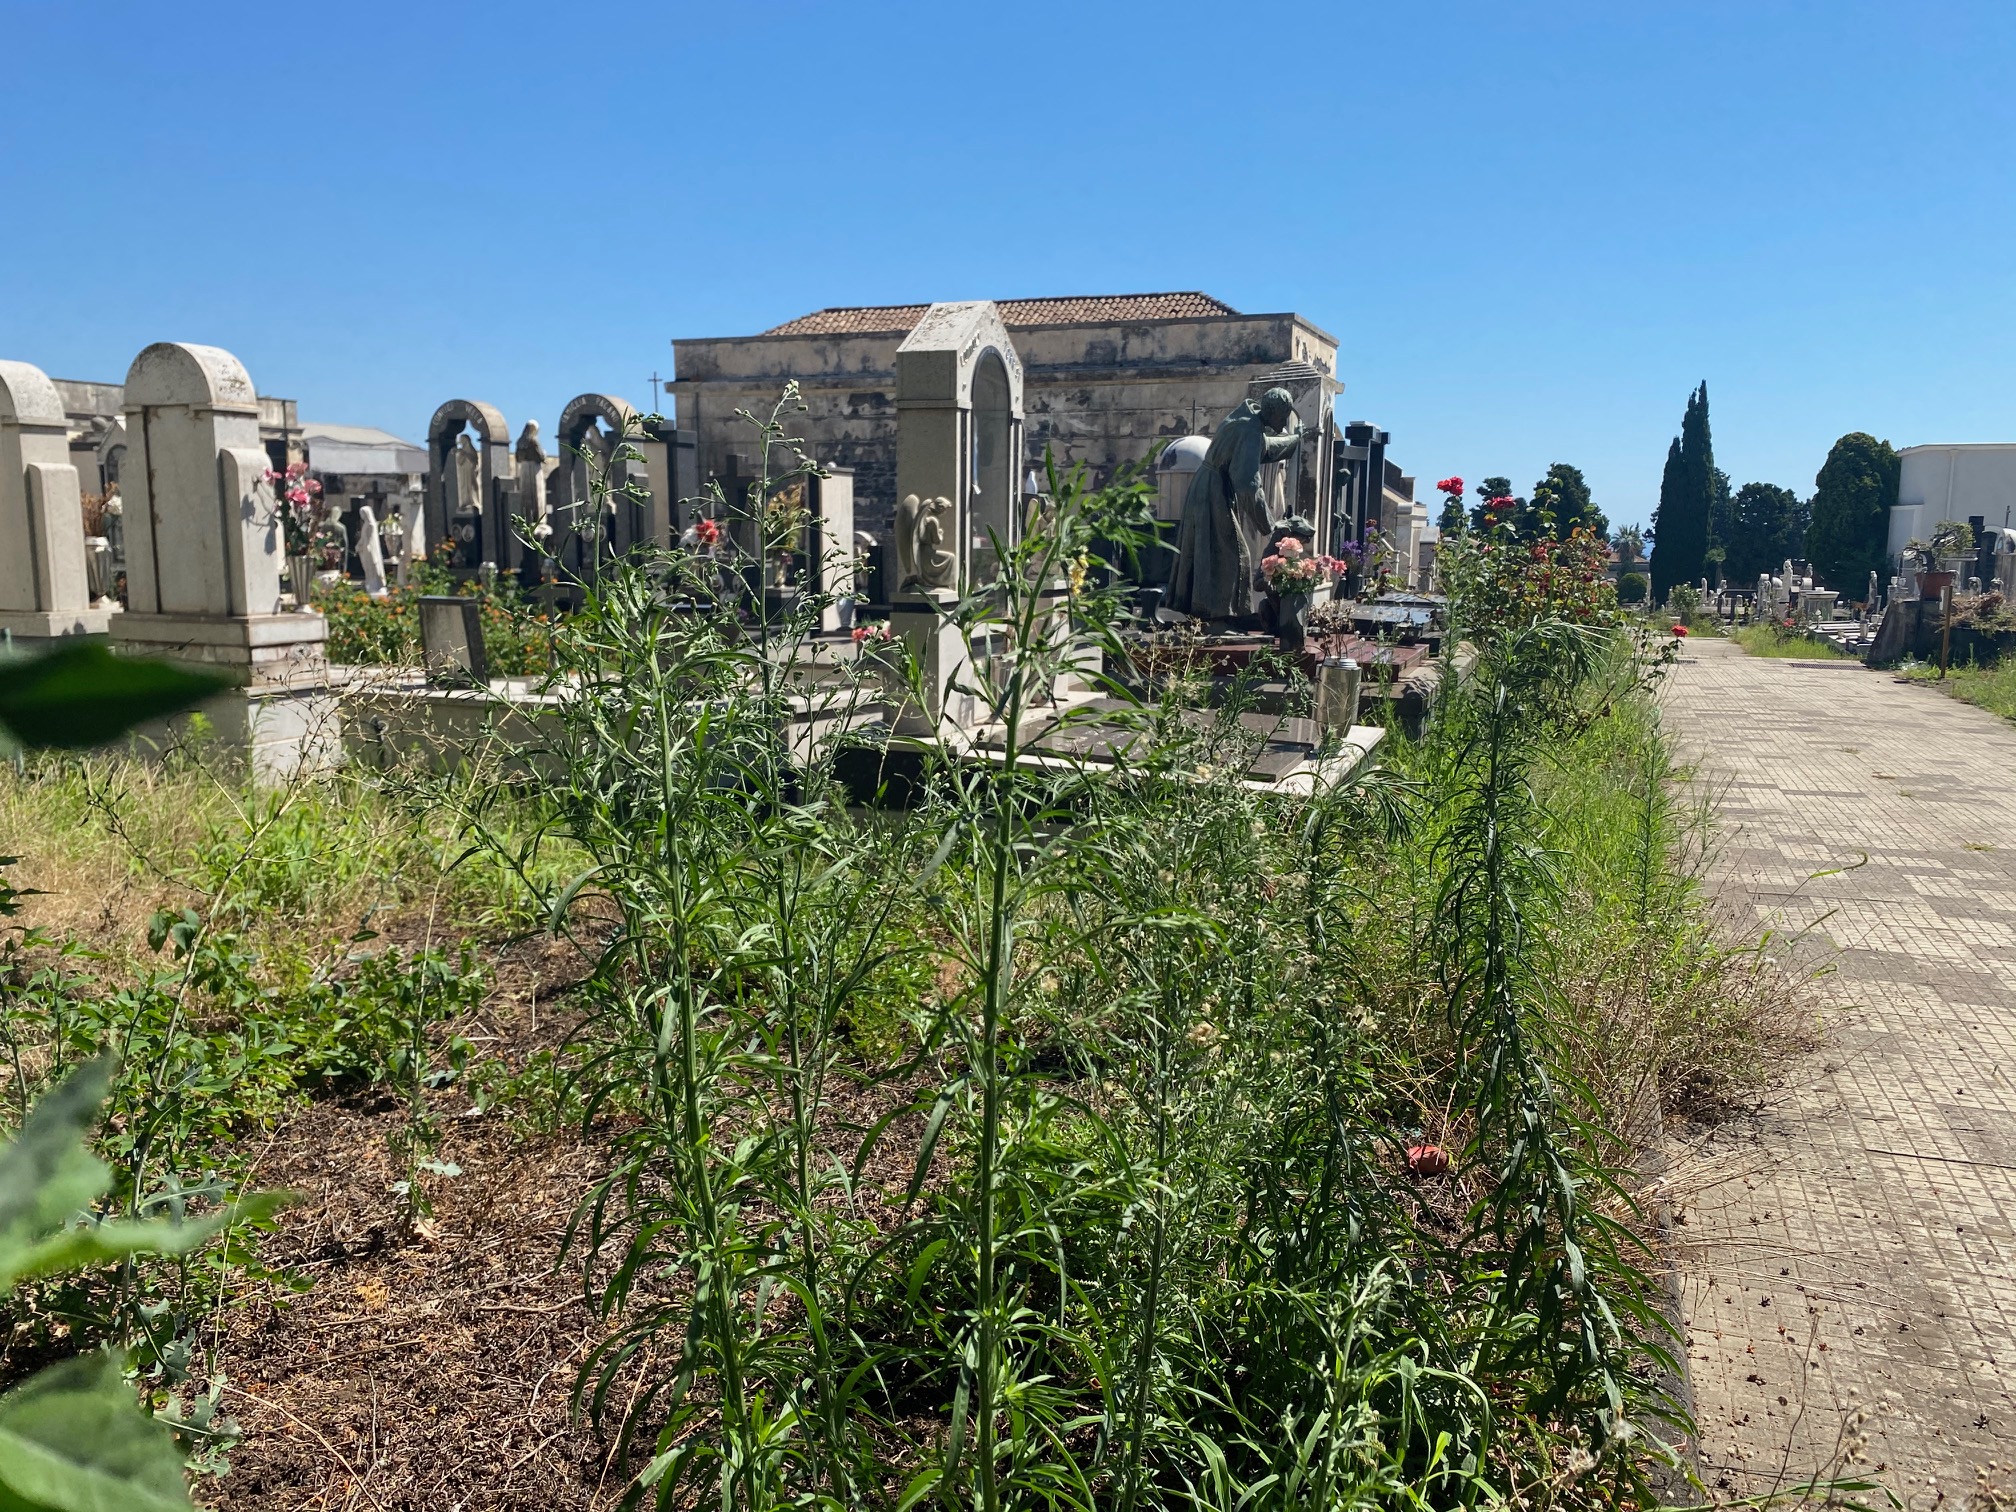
[
  {"x": 44, "y": 581},
  {"x": 204, "y": 548},
  {"x": 451, "y": 640},
  {"x": 462, "y": 472},
  {"x": 203, "y": 538}
]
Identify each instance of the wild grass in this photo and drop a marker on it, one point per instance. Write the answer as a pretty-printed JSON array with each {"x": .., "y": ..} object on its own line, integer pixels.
[
  {"x": 1776, "y": 640},
  {"x": 1991, "y": 688}
]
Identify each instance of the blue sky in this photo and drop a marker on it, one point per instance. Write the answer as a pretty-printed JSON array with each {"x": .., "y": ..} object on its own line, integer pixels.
[{"x": 1533, "y": 227}]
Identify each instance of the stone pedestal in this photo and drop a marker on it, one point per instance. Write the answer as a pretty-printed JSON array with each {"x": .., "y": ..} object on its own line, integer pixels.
[
  {"x": 45, "y": 588},
  {"x": 945, "y": 660}
]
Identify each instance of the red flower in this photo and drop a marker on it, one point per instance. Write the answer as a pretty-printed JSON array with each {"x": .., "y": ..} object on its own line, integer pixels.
[
  {"x": 1499, "y": 503},
  {"x": 1450, "y": 485},
  {"x": 1680, "y": 630}
]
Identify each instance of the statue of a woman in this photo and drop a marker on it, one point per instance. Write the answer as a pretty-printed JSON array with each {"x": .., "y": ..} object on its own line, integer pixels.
[{"x": 1224, "y": 517}]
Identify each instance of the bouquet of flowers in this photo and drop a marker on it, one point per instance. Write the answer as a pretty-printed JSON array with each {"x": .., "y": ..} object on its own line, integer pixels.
[
  {"x": 1293, "y": 569},
  {"x": 299, "y": 507}
]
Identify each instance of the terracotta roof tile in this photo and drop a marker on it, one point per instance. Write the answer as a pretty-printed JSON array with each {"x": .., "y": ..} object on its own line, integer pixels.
[{"x": 1095, "y": 309}]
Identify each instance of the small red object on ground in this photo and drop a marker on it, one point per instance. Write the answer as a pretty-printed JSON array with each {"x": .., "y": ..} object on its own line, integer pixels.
[
  {"x": 1680, "y": 630},
  {"x": 1427, "y": 1160}
]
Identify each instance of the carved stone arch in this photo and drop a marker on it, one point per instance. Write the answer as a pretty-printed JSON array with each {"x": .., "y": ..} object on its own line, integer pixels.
[
  {"x": 943, "y": 443},
  {"x": 495, "y": 449},
  {"x": 571, "y": 486},
  {"x": 583, "y": 410}
]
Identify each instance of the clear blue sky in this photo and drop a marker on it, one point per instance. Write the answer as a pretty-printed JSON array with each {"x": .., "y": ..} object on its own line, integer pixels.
[{"x": 1533, "y": 227}]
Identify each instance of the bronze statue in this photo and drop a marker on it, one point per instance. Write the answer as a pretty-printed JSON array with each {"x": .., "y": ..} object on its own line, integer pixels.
[{"x": 1224, "y": 517}]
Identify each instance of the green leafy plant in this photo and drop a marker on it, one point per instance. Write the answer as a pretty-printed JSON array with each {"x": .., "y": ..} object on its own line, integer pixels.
[{"x": 72, "y": 1438}]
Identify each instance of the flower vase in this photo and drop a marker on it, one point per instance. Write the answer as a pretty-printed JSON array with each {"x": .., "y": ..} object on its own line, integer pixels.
[
  {"x": 1292, "y": 622},
  {"x": 301, "y": 572}
]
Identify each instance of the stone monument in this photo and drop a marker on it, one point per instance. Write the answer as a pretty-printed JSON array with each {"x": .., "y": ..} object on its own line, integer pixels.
[
  {"x": 472, "y": 487},
  {"x": 44, "y": 579},
  {"x": 1225, "y": 520},
  {"x": 958, "y": 473},
  {"x": 530, "y": 460},
  {"x": 203, "y": 556}
]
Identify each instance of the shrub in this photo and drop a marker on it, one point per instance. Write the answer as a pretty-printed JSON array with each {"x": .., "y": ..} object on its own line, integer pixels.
[{"x": 1633, "y": 588}]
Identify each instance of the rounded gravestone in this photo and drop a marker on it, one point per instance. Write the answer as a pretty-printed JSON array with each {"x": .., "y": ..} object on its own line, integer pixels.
[
  {"x": 182, "y": 372},
  {"x": 27, "y": 397}
]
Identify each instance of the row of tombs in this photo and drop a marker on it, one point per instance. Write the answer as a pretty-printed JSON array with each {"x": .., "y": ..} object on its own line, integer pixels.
[{"x": 206, "y": 559}]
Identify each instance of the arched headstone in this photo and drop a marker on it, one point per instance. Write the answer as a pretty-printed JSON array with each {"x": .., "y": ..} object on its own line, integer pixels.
[
  {"x": 959, "y": 426},
  {"x": 44, "y": 584},
  {"x": 447, "y": 480},
  {"x": 203, "y": 554},
  {"x": 580, "y": 536}
]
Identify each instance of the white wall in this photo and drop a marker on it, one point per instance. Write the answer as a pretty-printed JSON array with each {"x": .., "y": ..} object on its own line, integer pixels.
[{"x": 1937, "y": 483}]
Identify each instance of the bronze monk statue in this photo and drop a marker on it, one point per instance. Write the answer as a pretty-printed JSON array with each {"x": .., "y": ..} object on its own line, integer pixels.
[{"x": 1224, "y": 517}]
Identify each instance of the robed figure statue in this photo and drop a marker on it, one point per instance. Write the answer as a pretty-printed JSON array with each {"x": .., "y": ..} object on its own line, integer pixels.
[{"x": 1224, "y": 518}]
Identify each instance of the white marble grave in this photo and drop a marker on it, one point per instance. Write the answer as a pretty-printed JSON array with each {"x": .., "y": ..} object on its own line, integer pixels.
[
  {"x": 204, "y": 550},
  {"x": 44, "y": 583}
]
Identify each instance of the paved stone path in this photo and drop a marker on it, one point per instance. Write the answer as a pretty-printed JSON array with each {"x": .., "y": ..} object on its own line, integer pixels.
[{"x": 1848, "y": 1250}]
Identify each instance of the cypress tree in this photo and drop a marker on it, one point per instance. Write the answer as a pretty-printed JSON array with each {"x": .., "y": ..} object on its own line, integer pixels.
[{"x": 1686, "y": 498}]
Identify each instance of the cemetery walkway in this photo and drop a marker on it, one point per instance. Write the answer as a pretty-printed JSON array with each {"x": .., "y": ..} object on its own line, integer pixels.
[{"x": 1846, "y": 1247}]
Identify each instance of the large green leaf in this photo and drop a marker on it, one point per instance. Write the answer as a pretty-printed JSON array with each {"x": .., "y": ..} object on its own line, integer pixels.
[
  {"x": 47, "y": 1175},
  {"x": 82, "y": 695},
  {"x": 73, "y": 1439},
  {"x": 99, "y": 1243}
]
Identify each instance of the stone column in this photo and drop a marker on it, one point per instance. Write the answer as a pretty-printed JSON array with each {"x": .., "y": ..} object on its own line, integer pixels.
[
  {"x": 204, "y": 550},
  {"x": 44, "y": 586}
]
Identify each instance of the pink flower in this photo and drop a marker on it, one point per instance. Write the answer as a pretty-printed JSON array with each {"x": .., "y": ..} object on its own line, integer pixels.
[
  {"x": 1270, "y": 564},
  {"x": 1291, "y": 546}
]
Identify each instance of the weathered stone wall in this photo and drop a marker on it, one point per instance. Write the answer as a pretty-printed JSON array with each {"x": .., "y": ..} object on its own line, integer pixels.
[{"x": 1097, "y": 394}]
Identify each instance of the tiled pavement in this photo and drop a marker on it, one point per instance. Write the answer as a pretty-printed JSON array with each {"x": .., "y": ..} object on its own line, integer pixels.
[{"x": 1849, "y": 1249}]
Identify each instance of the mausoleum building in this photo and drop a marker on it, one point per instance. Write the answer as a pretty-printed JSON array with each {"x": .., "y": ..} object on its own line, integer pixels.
[{"x": 1104, "y": 378}]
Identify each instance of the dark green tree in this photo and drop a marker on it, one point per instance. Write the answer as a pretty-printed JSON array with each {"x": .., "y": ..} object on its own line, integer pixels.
[
  {"x": 1767, "y": 526},
  {"x": 1847, "y": 538},
  {"x": 1489, "y": 489},
  {"x": 1561, "y": 505},
  {"x": 1721, "y": 523},
  {"x": 1686, "y": 496}
]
